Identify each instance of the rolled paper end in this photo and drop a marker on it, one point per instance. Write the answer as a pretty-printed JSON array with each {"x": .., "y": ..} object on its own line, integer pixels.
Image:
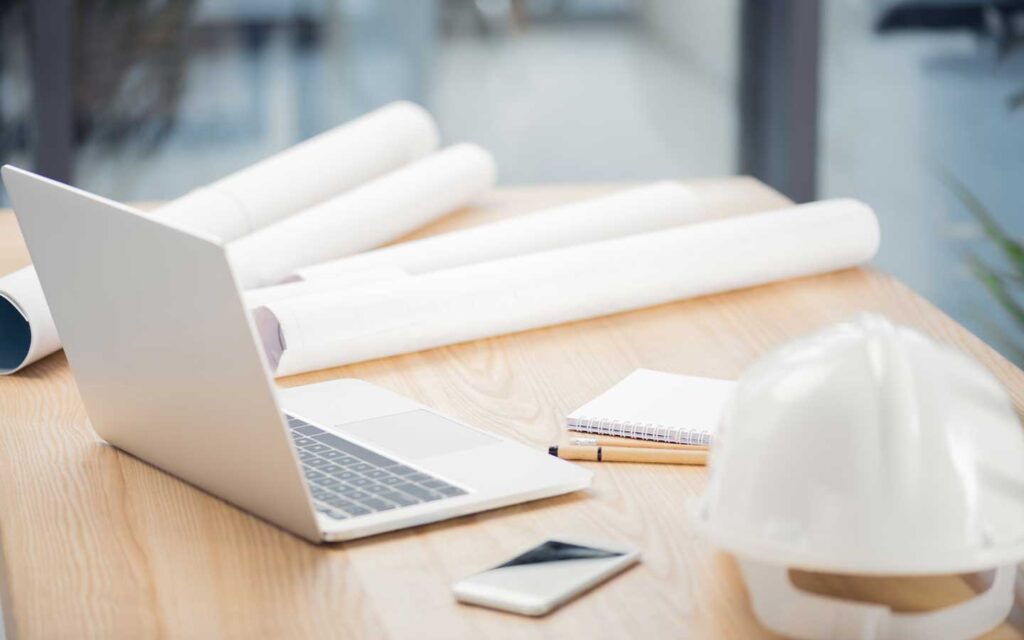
[
  {"x": 870, "y": 219},
  {"x": 269, "y": 331},
  {"x": 209, "y": 211},
  {"x": 482, "y": 162},
  {"x": 15, "y": 336},
  {"x": 422, "y": 126}
]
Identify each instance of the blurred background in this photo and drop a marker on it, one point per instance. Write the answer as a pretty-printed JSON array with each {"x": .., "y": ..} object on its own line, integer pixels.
[{"x": 915, "y": 107}]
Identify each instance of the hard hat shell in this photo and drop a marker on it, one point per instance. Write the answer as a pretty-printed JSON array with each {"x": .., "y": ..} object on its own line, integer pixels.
[{"x": 868, "y": 449}]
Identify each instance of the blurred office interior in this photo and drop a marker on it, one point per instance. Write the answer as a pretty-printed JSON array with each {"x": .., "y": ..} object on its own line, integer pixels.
[{"x": 906, "y": 105}]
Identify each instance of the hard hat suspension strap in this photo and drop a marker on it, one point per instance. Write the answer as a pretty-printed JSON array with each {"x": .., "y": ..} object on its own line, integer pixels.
[{"x": 780, "y": 606}]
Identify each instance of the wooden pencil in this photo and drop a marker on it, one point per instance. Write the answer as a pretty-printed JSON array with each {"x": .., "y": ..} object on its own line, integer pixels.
[{"x": 629, "y": 454}]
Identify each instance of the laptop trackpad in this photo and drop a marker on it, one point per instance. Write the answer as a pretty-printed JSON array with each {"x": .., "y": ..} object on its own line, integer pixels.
[{"x": 417, "y": 434}]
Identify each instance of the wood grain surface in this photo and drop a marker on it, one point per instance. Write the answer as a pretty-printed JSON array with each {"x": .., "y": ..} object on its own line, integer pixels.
[{"x": 97, "y": 544}]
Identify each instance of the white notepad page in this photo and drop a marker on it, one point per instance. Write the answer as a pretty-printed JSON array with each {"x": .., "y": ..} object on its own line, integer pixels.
[{"x": 654, "y": 405}]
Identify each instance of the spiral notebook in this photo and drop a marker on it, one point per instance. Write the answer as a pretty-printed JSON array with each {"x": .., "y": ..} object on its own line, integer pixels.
[{"x": 654, "y": 405}]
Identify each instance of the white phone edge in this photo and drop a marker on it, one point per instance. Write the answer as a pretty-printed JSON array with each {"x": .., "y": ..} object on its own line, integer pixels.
[{"x": 466, "y": 593}]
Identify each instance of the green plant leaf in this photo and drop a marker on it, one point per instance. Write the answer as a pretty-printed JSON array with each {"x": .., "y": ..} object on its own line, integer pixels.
[
  {"x": 997, "y": 288},
  {"x": 1011, "y": 248},
  {"x": 1015, "y": 279}
]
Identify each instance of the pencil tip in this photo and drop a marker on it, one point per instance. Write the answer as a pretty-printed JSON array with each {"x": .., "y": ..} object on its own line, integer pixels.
[{"x": 553, "y": 450}]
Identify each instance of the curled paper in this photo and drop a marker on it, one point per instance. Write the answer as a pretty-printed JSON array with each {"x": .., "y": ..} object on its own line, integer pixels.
[
  {"x": 551, "y": 287},
  {"x": 261, "y": 194},
  {"x": 27, "y": 332},
  {"x": 655, "y": 206},
  {"x": 365, "y": 217}
]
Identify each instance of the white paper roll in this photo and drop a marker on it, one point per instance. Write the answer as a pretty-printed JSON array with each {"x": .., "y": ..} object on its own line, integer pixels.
[
  {"x": 551, "y": 287},
  {"x": 655, "y": 206},
  {"x": 308, "y": 173},
  {"x": 265, "y": 295},
  {"x": 366, "y": 217}
]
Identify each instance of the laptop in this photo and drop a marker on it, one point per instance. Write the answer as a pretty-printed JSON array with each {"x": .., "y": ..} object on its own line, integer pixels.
[{"x": 165, "y": 356}]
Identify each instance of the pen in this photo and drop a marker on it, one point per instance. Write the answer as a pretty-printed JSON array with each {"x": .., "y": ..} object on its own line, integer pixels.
[
  {"x": 629, "y": 454},
  {"x": 614, "y": 441}
]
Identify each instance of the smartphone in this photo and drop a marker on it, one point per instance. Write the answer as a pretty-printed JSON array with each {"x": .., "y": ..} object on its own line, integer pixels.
[{"x": 537, "y": 581}]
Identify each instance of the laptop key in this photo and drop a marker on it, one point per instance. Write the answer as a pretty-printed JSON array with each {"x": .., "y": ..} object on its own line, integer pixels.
[
  {"x": 362, "y": 467},
  {"x": 354, "y": 449},
  {"x": 400, "y": 499},
  {"x": 317, "y": 448},
  {"x": 434, "y": 484},
  {"x": 377, "y": 505},
  {"x": 419, "y": 477},
  {"x": 356, "y": 510},
  {"x": 376, "y": 488},
  {"x": 308, "y": 430},
  {"x": 354, "y": 494},
  {"x": 402, "y": 470},
  {"x": 451, "y": 491},
  {"x": 376, "y": 474},
  {"x": 360, "y": 482},
  {"x": 337, "y": 514},
  {"x": 336, "y": 502},
  {"x": 332, "y": 469},
  {"x": 318, "y": 463},
  {"x": 332, "y": 454},
  {"x": 417, "y": 491},
  {"x": 302, "y": 442},
  {"x": 391, "y": 480},
  {"x": 330, "y": 484}
]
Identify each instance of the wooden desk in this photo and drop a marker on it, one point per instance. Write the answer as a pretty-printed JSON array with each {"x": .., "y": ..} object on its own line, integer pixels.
[{"x": 98, "y": 544}]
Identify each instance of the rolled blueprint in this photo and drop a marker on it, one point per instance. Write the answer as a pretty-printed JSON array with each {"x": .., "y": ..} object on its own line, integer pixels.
[
  {"x": 303, "y": 175},
  {"x": 265, "y": 295},
  {"x": 655, "y": 206},
  {"x": 27, "y": 332},
  {"x": 551, "y": 287},
  {"x": 308, "y": 173},
  {"x": 365, "y": 217}
]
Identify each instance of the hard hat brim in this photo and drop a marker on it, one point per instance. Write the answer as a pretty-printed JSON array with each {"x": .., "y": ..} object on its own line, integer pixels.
[{"x": 868, "y": 562}]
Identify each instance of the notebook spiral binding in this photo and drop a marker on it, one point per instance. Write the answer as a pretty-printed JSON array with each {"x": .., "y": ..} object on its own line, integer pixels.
[{"x": 640, "y": 430}]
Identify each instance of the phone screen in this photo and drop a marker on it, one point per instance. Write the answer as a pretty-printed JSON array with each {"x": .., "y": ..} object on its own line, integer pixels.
[
  {"x": 547, "y": 575},
  {"x": 556, "y": 551}
]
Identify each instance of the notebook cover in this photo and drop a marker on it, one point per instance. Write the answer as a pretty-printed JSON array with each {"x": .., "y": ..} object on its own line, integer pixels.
[{"x": 655, "y": 405}]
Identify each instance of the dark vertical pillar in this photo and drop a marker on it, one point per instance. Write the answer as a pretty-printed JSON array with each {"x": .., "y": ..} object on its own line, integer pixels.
[
  {"x": 780, "y": 42},
  {"x": 51, "y": 24}
]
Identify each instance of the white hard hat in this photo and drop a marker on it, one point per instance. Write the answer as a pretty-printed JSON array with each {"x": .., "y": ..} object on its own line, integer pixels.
[{"x": 868, "y": 449}]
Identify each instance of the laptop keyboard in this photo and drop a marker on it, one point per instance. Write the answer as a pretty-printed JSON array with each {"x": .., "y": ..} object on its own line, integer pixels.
[{"x": 347, "y": 480}]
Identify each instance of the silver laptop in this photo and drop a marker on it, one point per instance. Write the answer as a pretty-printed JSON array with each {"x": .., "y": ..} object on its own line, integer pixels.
[{"x": 166, "y": 360}]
